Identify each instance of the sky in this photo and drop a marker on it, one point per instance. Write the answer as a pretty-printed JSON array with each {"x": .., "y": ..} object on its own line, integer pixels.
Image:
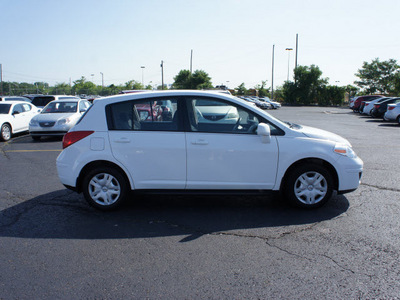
[{"x": 59, "y": 41}]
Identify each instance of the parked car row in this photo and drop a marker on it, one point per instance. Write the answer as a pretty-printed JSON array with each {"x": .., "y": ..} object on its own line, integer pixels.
[
  {"x": 58, "y": 115},
  {"x": 378, "y": 106},
  {"x": 262, "y": 102}
]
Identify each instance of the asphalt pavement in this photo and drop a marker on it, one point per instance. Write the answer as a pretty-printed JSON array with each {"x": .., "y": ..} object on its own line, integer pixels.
[{"x": 54, "y": 246}]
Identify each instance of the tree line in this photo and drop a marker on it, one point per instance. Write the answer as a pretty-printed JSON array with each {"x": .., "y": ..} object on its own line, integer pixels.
[{"x": 308, "y": 87}]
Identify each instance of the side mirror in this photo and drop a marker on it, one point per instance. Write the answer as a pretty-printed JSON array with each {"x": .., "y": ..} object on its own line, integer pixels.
[
  {"x": 264, "y": 132},
  {"x": 15, "y": 113}
]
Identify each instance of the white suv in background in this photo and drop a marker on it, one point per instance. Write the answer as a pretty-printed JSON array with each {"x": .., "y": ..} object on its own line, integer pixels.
[{"x": 112, "y": 151}]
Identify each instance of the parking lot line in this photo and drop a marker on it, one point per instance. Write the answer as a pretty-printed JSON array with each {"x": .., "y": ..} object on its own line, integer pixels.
[{"x": 33, "y": 150}]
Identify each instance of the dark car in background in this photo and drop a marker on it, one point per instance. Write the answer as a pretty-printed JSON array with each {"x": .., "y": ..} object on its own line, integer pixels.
[{"x": 380, "y": 108}]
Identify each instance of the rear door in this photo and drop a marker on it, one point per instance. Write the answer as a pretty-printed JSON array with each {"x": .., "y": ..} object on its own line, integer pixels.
[
  {"x": 19, "y": 117},
  {"x": 147, "y": 138}
]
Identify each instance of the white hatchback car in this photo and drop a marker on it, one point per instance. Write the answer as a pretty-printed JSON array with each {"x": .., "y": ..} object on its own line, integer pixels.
[
  {"x": 111, "y": 152},
  {"x": 15, "y": 117}
]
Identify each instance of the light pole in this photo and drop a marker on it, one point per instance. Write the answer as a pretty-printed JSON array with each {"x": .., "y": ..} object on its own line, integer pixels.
[
  {"x": 142, "y": 75},
  {"x": 102, "y": 80},
  {"x": 288, "y": 50},
  {"x": 102, "y": 83}
]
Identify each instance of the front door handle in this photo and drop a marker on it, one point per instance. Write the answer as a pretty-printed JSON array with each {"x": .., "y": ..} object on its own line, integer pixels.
[{"x": 200, "y": 142}]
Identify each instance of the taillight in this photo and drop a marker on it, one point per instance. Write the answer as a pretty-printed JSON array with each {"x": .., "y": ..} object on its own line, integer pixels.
[
  {"x": 377, "y": 105},
  {"x": 390, "y": 107},
  {"x": 366, "y": 104},
  {"x": 74, "y": 136}
]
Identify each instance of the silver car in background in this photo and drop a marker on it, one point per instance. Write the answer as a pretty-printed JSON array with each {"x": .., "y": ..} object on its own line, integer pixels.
[{"x": 57, "y": 117}]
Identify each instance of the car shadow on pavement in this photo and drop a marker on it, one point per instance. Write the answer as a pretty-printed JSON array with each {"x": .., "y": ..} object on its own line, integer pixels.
[{"x": 65, "y": 215}]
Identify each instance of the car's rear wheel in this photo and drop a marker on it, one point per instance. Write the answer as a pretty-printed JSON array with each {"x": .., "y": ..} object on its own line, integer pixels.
[
  {"x": 309, "y": 186},
  {"x": 5, "y": 132},
  {"x": 105, "y": 188}
]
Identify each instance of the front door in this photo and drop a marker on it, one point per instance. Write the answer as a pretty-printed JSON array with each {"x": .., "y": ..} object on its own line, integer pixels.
[{"x": 223, "y": 149}]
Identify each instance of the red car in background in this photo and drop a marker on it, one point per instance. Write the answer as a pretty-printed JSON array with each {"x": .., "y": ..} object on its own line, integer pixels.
[{"x": 357, "y": 102}]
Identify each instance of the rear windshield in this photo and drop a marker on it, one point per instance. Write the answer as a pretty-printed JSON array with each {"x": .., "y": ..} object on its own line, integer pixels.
[{"x": 42, "y": 101}]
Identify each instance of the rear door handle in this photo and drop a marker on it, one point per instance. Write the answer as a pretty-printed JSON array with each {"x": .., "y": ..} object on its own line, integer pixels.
[{"x": 122, "y": 140}]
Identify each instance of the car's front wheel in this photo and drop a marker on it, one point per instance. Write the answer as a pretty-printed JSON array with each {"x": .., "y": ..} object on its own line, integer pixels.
[
  {"x": 309, "y": 186},
  {"x": 5, "y": 132},
  {"x": 105, "y": 188}
]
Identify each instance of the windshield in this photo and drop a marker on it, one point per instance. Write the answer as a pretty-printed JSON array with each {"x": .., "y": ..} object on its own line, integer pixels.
[
  {"x": 5, "y": 108},
  {"x": 60, "y": 107}
]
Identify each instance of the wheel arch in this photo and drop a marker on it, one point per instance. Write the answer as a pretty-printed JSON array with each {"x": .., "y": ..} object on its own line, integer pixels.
[
  {"x": 96, "y": 164},
  {"x": 331, "y": 169},
  {"x": 9, "y": 124}
]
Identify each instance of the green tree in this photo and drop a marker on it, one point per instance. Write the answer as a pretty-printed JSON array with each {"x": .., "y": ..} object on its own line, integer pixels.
[
  {"x": 82, "y": 86},
  {"x": 133, "y": 85},
  {"x": 42, "y": 87},
  {"x": 200, "y": 80},
  {"x": 182, "y": 80},
  {"x": 306, "y": 86},
  {"x": 378, "y": 76},
  {"x": 262, "y": 91},
  {"x": 331, "y": 95},
  {"x": 196, "y": 81},
  {"x": 241, "y": 89},
  {"x": 60, "y": 89}
]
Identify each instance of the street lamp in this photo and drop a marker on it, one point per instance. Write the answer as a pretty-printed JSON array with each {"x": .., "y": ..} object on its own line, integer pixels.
[
  {"x": 288, "y": 50},
  {"x": 142, "y": 75},
  {"x": 102, "y": 83}
]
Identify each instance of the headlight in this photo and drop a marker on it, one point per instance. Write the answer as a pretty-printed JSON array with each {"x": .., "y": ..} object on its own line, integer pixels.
[
  {"x": 344, "y": 150},
  {"x": 63, "y": 121},
  {"x": 33, "y": 123}
]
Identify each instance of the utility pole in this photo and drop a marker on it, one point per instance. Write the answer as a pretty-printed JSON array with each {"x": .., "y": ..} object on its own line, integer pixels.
[
  {"x": 1, "y": 79},
  {"x": 272, "y": 81},
  {"x": 142, "y": 67},
  {"x": 288, "y": 63},
  {"x": 297, "y": 46},
  {"x": 162, "y": 75},
  {"x": 102, "y": 83},
  {"x": 191, "y": 60}
]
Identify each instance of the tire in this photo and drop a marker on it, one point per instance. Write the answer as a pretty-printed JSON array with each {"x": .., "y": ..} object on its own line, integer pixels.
[
  {"x": 36, "y": 137},
  {"x": 309, "y": 186},
  {"x": 105, "y": 188},
  {"x": 398, "y": 119},
  {"x": 5, "y": 133}
]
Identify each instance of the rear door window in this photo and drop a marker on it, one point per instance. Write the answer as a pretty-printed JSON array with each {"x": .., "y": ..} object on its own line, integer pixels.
[{"x": 154, "y": 114}]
